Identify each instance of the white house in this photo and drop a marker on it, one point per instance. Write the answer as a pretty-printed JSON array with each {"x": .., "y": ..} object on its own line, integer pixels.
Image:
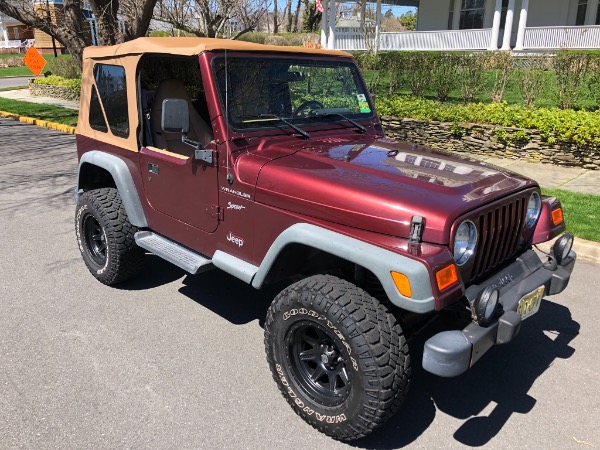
[{"x": 533, "y": 25}]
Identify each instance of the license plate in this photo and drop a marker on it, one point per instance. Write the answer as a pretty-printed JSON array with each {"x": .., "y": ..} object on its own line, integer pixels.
[{"x": 530, "y": 303}]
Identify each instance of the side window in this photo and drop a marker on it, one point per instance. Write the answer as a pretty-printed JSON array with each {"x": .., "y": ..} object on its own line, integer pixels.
[
  {"x": 112, "y": 87},
  {"x": 96, "y": 119}
]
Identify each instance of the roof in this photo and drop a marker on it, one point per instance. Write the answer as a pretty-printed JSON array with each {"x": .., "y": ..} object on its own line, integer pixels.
[{"x": 190, "y": 46}]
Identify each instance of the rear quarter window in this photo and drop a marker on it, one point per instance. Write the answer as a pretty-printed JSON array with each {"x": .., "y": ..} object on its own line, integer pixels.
[{"x": 112, "y": 89}]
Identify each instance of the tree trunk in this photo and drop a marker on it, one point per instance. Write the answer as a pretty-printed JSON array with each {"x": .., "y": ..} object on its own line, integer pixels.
[
  {"x": 288, "y": 8},
  {"x": 296, "y": 16},
  {"x": 275, "y": 13}
]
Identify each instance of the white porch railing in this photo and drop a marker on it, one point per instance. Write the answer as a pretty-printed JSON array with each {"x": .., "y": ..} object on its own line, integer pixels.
[
  {"x": 445, "y": 40},
  {"x": 555, "y": 38},
  {"x": 10, "y": 44}
]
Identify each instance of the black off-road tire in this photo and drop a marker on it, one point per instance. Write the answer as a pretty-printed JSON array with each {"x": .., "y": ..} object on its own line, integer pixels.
[
  {"x": 106, "y": 237},
  {"x": 323, "y": 319}
]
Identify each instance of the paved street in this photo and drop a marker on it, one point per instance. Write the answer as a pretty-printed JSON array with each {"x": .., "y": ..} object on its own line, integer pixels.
[
  {"x": 172, "y": 361},
  {"x": 14, "y": 81}
]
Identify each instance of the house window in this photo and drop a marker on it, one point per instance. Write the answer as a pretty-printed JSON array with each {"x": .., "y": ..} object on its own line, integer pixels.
[
  {"x": 112, "y": 88},
  {"x": 471, "y": 14},
  {"x": 16, "y": 32},
  {"x": 581, "y": 10},
  {"x": 451, "y": 15},
  {"x": 503, "y": 13},
  {"x": 598, "y": 16}
]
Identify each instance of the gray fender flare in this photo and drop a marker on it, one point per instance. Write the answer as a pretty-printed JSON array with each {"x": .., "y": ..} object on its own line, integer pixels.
[
  {"x": 123, "y": 180},
  {"x": 378, "y": 260}
]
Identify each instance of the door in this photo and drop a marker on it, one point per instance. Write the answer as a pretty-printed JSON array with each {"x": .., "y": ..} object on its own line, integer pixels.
[{"x": 181, "y": 187}]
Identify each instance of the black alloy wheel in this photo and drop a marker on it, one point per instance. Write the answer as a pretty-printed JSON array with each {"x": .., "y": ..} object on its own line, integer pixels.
[
  {"x": 95, "y": 239},
  {"x": 320, "y": 363}
]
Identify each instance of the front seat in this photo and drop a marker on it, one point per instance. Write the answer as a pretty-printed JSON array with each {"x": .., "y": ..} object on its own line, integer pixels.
[{"x": 199, "y": 130}]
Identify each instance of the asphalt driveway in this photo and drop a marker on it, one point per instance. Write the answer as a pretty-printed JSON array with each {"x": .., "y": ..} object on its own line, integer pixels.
[{"x": 175, "y": 361}]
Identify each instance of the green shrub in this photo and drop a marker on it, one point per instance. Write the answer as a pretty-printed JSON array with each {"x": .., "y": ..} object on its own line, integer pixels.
[
  {"x": 531, "y": 78},
  {"x": 593, "y": 80},
  {"x": 571, "y": 70},
  {"x": 276, "y": 40},
  {"x": 472, "y": 66},
  {"x": 65, "y": 67},
  {"x": 555, "y": 125},
  {"x": 256, "y": 37},
  {"x": 444, "y": 74},
  {"x": 71, "y": 83},
  {"x": 501, "y": 63},
  {"x": 13, "y": 61}
]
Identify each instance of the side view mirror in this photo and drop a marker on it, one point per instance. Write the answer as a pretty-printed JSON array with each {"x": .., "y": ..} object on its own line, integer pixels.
[{"x": 175, "y": 116}]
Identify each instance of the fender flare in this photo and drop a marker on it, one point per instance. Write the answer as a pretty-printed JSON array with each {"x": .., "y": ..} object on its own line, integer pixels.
[
  {"x": 123, "y": 180},
  {"x": 378, "y": 260}
]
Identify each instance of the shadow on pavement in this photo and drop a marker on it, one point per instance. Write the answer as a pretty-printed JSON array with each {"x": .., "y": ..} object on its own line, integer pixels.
[{"x": 499, "y": 382}]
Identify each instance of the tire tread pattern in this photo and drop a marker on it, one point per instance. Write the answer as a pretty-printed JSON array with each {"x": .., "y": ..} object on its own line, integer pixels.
[{"x": 374, "y": 330}]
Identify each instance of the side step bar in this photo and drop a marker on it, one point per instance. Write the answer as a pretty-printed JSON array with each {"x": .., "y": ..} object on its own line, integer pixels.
[{"x": 171, "y": 251}]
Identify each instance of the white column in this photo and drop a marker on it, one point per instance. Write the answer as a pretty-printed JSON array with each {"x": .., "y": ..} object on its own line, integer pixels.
[
  {"x": 496, "y": 26},
  {"x": 456, "y": 14},
  {"x": 324, "y": 24},
  {"x": 377, "y": 25},
  {"x": 522, "y": 25},
  {"x": 331, "y": 40},
  {"x": 5, "y": 35},
  {"x": 592, "y": 11},
  {"x": 508, "y": 25}
]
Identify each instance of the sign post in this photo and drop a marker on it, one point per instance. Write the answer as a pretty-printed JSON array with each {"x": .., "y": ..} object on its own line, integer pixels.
[{"x": 35, "y": 61}]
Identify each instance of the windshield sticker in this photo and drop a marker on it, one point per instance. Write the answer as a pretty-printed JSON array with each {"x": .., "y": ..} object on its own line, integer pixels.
[
  {"x": 364, "y": 107},
  {"x": 361, "y": 97}
]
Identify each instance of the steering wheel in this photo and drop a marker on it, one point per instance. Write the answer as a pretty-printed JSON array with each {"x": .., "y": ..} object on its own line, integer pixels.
[{"x": 301, "y": 111}]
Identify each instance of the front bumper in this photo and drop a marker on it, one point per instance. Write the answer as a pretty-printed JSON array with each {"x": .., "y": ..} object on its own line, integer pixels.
[{"x": 451, "y": 353}]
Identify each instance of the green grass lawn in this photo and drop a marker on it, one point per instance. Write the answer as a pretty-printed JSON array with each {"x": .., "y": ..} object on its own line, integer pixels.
[
  {"x": 40, "y": 111},
  {"x": 581, "y": 211},
  {"x": 22, "y": 71}
]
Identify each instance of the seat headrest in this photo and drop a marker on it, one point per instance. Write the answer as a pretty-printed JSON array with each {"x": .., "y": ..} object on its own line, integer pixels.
[{"x": 171, "y": 88}]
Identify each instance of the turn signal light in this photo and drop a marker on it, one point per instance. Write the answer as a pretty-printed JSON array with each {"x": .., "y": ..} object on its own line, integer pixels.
[
  {"x": 446, "y": 277},
  {"x": 402, "y": 284},
  {"x": 557, "y": 216}
]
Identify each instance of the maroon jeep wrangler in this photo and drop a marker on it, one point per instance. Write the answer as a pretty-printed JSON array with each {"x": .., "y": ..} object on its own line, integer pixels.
[{"x": 270, "y": 163}]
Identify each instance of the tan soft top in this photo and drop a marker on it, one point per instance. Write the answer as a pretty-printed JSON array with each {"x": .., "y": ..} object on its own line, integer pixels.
[{"x": 190, "y": 46}]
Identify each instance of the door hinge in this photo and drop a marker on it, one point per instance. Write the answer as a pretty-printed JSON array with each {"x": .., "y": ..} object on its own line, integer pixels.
[
  {"x": 204, "y": 155},
  {"x": 215, "y": 211}
]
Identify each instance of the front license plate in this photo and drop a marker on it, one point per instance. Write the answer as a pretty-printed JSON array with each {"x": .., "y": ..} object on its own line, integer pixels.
[{"x": 530, "y": 303}]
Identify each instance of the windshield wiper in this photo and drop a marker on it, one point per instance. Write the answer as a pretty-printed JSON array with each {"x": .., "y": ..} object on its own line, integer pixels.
[
  {"x": 326, "y": 113},
  {"x": 304, "y": 134}
]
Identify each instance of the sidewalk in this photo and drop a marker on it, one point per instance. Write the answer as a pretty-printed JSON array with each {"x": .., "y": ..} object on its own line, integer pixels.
[
  {"x": 24, "y": 96},
  {"x": 574, "y": 179}
]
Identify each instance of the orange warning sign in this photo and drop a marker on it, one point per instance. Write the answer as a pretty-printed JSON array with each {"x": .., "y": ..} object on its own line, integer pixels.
[{"x": 34, "y": 61}]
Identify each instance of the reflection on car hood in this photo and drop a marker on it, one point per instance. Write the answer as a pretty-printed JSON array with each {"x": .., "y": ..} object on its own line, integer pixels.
[{"x": 379, "y": 184}]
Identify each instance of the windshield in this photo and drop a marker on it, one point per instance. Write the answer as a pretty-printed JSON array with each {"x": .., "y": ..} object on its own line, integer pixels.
[{"x": 261, "y": 90}]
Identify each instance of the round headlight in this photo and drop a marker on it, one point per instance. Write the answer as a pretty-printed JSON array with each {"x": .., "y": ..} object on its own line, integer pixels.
[
  {"x": 534, "y": 206},
  {"x": 465, "y": 240}
]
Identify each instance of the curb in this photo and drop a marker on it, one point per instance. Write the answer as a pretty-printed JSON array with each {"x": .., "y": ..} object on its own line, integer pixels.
[
  {"x": 588, "y": 250},
  {"x": 39, "y": 122}
]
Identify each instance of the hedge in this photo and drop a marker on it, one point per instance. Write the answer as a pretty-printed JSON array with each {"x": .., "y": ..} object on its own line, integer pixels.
[
  {"x": 73, "y": 84},
  {"x": 555, "y": 125}
]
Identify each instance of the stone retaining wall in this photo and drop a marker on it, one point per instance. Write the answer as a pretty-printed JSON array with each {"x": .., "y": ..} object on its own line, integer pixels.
[
  {"x": 490, "y": 140},
  {"x": 49, "y": 90}
]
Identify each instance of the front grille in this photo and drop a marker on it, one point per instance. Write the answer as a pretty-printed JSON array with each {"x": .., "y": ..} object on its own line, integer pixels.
[{"x": 500, "y": 235}]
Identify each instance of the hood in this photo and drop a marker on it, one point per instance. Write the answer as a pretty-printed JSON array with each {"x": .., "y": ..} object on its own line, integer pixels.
[{"x": 379, "y": 184}]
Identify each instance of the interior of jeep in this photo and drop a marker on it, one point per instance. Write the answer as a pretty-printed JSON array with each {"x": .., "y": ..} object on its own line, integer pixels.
[{"x": 172, "y": 78}]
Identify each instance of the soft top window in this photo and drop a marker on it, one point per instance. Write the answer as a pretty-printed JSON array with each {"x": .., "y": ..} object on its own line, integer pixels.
[{"x": 112, "y": 88}]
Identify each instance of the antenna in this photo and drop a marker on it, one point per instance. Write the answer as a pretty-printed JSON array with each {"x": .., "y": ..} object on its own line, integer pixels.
[{"x": 227, "y": 144}]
